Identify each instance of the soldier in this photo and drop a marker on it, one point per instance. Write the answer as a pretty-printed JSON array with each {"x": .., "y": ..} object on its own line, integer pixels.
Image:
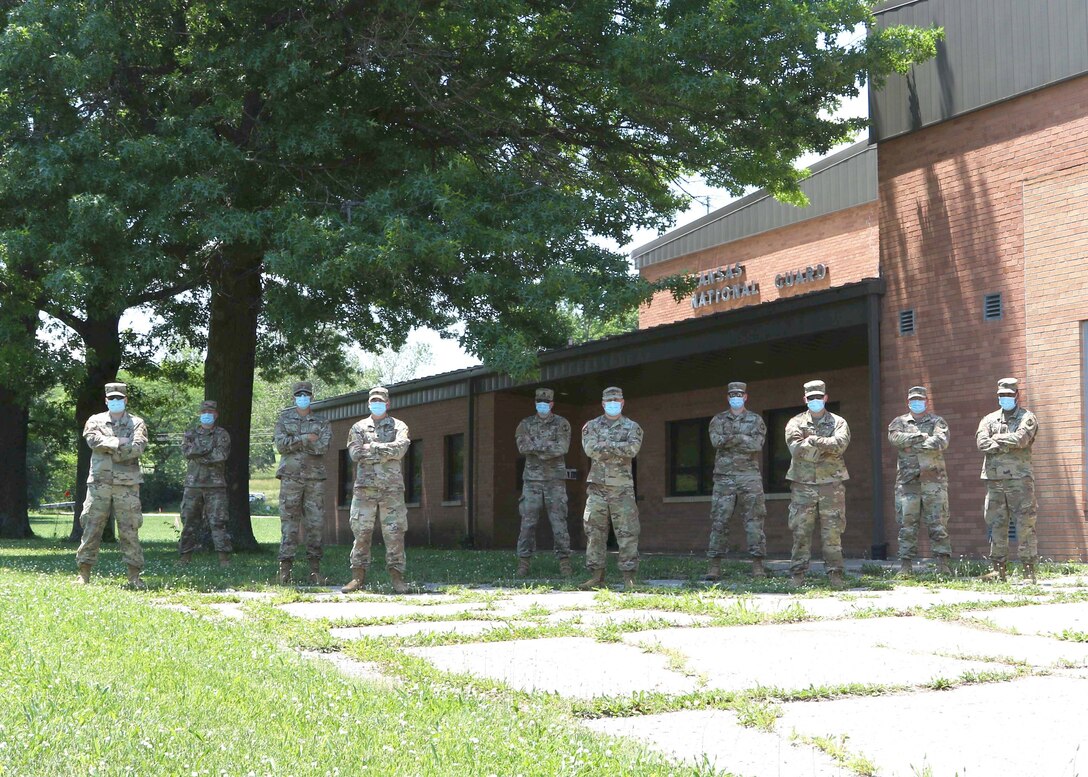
[
  {"x": 117, "y": 439},
  {"x": 611, "y": 441},
  {"x": 817, "y": 440},
  {"x": 1006, "y": 437},
  {"x": 376, "y": 445},
  {"x": 302, "y": 438},
  {"x": 921, "y": 481},
  {"x": 738, "y": 436},
  {"x": 543, "y": 439},
  {"x": 207, "y": 447}
]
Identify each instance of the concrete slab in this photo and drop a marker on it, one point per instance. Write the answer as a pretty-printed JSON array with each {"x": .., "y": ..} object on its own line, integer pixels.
[
  {"x": 908, "y": 597},
  {"x": 411, "y": 629},
  {"x": 363, "y": 608},
  {"x": 715, "y": 737},
  {"x": 229, "y": 609},
  {"x": 555, "y": 600},
  {"x": 592, "y": 619},
  {"x": 1039, "y": 618},
  {"x": 360, "y": 670},
  {"x": 1032, "y": 726},
  {"x": 570, "y": 666},
  {"x": 799, "y": 655}
]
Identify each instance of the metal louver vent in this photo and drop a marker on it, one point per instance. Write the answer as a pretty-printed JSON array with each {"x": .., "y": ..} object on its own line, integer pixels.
[
  {"x": 906, "y": 322},
  {"x": 991, "y": 307}
]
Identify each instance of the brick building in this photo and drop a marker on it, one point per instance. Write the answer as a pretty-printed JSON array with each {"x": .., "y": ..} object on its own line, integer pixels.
[{"x": 950, "y": 248}]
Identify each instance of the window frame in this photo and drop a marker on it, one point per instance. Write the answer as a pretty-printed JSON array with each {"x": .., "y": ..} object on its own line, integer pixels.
[
  {"x": 346, "y": 490},
  {"x": 413, "y": 460},
  {"x": 703, "y": 471},
  {"x": 453, "y": 482},
  {"x": 776, "y": 438}
]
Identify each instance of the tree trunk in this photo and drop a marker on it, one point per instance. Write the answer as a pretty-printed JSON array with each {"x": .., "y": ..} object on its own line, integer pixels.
[
  {"x": 14, "y": 422},
  {"x": 103, "y": 358},
  {"x": 235, "y": 307}
]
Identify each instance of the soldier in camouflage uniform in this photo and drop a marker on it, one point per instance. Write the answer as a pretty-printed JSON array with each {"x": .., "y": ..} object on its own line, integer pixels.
[
  {"x": 817, "y": 440},
  {"x": 611, "y": 441},
  {"x": 543, "y": 439},
  {"x": 921, "y": 481},
  {"x": 376, "y": 445},
  {"x": 116, "y": 439},
  {"x": 206, "y": 446},
  {"x": 738, "y": 435},
  {"x": 1006, "y": 437},
  {"x": 302, "y": 439}
]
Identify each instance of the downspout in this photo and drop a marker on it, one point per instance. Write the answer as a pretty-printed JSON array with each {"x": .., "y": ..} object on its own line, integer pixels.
[
  {"x": 879, "y": 549},
  {"x": 470, "y": 468}
]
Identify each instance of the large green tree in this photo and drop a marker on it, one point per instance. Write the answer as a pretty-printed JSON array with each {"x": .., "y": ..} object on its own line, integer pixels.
[{"x": 350, "y": 169}]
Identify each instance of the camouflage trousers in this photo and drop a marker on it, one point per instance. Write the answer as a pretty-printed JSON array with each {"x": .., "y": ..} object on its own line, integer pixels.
[
  {"x": 808, "y": 502},
  {"x": 366, "y": 505},
  {"x": 536, "y": 497},
  {"x": 743, "y": 496},
  {"x": 618, "y": 504},
  {"x": 302, "y": 503},
  {"x": 200, "y": 504},
  {"x": 1011, "y": 500},
  {"x": 917, "y": 501},
  {"x": 127, "y": 511}
]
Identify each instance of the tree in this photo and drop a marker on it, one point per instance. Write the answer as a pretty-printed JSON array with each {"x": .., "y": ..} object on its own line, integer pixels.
[{"x": 353, "y": 169}]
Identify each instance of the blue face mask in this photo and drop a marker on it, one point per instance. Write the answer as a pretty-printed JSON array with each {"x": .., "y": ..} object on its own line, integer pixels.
[
  {"x": 916, "y": 406},
  {"x": 116, "y": 405},
  {"x": 378, "y": 408},
  {"x": 207, "y": 419},
  {"x": 543, "y": 408},
  {"x": 302, "y": 401},
  {"x": 816, "y": 405},
  {"x": 613, "y": 408},
  {"x": 736, "y": 402},
  {"x": 1007, "y": 403}
]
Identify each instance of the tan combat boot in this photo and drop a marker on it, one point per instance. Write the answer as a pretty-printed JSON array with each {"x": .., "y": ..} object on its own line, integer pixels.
[
  {"x": 358, "y": 580},
  {"x": 396, "y": 577},
  {"x": 906, "y": 568},
  {"x": 834, "y": 577},
  {"x": 1029, "y": 571},
  {"x": 997, "y": 573},
  {"x": 758, "y": 572},
  {"x": 596, "y": 580},
  {"x": 134, "y": 581},
  {"x": 565, "y": 568},
  {"x": 713, "y": 570},
  {"x": 943, "y": 567},
  {"x": 224, "y": 560},
  {"x": 84, "y": 576},
  {"x": 629, "y": 579},
  {"x": 523, "y": 567},
  {"x": 284, "y": 577},
  {"x": 797, "y": 579},
  {"x": 315, "y": 573},
  {"x": 185, "y": 559}
]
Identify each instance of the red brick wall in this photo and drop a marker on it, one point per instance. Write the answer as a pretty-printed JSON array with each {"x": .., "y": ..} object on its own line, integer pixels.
[
  {"x": 845, "y": 241},
  {"x": 951, "y": 230}
]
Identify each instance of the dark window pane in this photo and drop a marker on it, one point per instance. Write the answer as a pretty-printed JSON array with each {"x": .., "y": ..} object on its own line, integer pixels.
[
  {"x": 691, "y": 458},
  {"x": 455, "y": 467},
  {"x": 413, "y": 473},
  {"x": 346, "y": 479}
]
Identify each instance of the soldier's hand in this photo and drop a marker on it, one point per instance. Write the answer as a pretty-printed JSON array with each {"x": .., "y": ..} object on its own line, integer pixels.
[
  {"x": 123, "y": 440},
  {"x": 312, "y": 437}
]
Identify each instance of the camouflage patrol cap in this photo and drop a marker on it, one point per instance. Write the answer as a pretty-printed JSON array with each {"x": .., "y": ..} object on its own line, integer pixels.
[
  {"x": 737, "y": 386},
  {"x": 1008, "y": 386},
  {"x": 116, "y": 390},
  {"x": 545, "y": 395},
  {"x": 612, "y": 392},
  {"x": 917, "y": 392},
  {"x": 209, "y": 404},
  {"x": 302, "y": 387},
  {"x": 815, "y": 388},
  {"x": 380, "y": 393}
]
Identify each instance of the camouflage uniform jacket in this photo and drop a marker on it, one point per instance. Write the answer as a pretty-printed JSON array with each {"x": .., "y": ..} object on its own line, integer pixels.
[
  {"x": 377, "y": 448},
  {"x": 738, "y": 440},
  {"x": 1006, "y": 439},
  {"x": 112, "y": 462},
  {"x": 544, "y": 442},
  {"x": 817, "y": 446},
  {"x": 301, "y": 459},
  {"x": 611, "y": 445},
  {"x": 207, "y": 451},
  {"x": 921, "y": 445}
]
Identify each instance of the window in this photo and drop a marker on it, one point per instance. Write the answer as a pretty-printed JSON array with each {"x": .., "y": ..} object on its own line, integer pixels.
[
  {"x": 778, "y": 453},
  {"x": 906, "y": 322},
  {"x": 991, "y": 307},
  {"x": 347, "y": 479},
  {"x": 413, "y": 473},
  {"x": 691, "y": 458},
  {"x": 455, "y": 468}
]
